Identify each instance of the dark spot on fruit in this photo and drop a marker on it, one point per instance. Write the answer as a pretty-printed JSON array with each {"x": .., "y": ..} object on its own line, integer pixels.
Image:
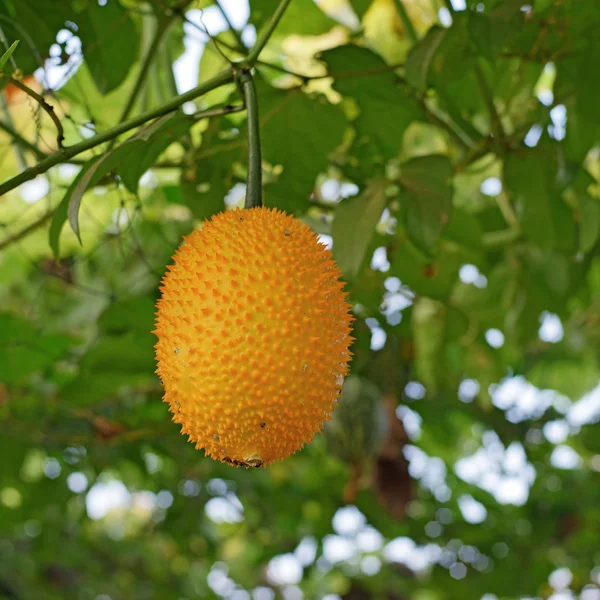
[{"x": 263, "y": 424}]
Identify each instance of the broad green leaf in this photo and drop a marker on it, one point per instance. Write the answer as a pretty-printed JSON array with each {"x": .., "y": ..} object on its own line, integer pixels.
[
  {"x": 302, "y": 17},
  {"x": 132, "y": 352},
  {"x": 170, "y": 131},
  {"x": 572, "y": 377},
  {"x": 61, "y": 212},
  {"x": 88, "y": 103},
  {"x": 24, "y": 350},
  {"x": 133, "y": 314},
  {"x": 419, "y": 59},
  {"x": 521, "y": 106},
  {"x": 493, "y": 31},
  {"x": 426, "y": 198},
  {"x": 138, "y": 150},
  {"x": 589, "y": 223},
  {"x": 588, "y": 211},
  {"x": 531, "y": 177},
  {"x": 429, "y": 330},
  {"x": 354, "y": 226},
  {"x": 581, "y": 92},
  {"x": 453, "y": 57},
  {"x": 35, "y": 23},
  {"x": 204, "y": 185},
  {"x": 212, "y": 62},
  {"x": 463, "y": 228},
  {"x": 110, "y": 43},
  {"x": 313, "y": 129},
  {"x": 90, "y": 388},
  {"x": 386, "y": 104},
  {"x": 552, "y": 273},
  {"x": 6, "y": 56},
  {"x": 434, "y": 277}
]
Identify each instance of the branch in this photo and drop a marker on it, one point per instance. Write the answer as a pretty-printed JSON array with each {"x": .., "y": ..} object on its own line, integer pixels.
[
  {"x": 65, "y": 154},
  {"x": 15, "y": 237},
  {"x": 261, "y": 42},
  {"x": 45, "y": 106}
]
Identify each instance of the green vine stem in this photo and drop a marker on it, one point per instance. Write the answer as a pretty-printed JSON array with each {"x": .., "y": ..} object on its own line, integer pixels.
[
  {"x": 226, "y": 76},
  {"x": 254, "y": 185},
  {"x": 65, "y": 154}
]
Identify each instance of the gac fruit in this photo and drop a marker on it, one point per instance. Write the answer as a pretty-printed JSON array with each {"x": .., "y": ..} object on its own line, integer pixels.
[{"x": 253, "y": 332}]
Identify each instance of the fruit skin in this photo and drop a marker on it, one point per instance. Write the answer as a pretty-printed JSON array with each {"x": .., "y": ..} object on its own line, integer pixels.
[
  {"x": 359, "y": 426},
  {"x": 253, "y": 333}
]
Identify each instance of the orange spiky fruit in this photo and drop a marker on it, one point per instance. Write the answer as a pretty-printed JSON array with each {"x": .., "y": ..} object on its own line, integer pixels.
[{"x": 253, "y": 333}]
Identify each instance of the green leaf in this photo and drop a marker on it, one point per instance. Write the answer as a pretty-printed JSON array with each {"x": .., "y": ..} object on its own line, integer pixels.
[
  {"x": 426, "y": 198},
  {"x": 211, "y": 64},
  {"x": 36, "y": 23},
  {"x": 572, "y": 377},
  {"x": 354, "y": 227},
  {"x": 302, "y": 17},
  {"x": 590, "y": 223},
  {"x": 386, "y": 104},
  {"x": 129, "y": 353},
  {"x": 88, "y": 103},
  {"x": 453, "y": 57},
  {"x": 434, "y": 277},
  {"x": 88, "y": 389},
  {"x": 464, "y": 229},
  {"x": 24, "y": 350},
  {"x": 170, "y": 131},
  {"x": 429, "y": 331},
  {"x": 313, "y": 129},
  {"x": 110, "y": 43},
  {"x": 588, "y": 205},
  {"x": 133, "y": 314},
  {"x": 419, "y": 59},
  {"x": 491, "y": 32},
  {"x": 531, "y": 177},
  {"x": 5, "y": 57},
  {"x": 552, "y": 273},
  {"x": 583, "y": 128},
  {"x": 204, "y": 185},
  {"x": 61, "y": 213},
  {"x": 138, "y": 149}
]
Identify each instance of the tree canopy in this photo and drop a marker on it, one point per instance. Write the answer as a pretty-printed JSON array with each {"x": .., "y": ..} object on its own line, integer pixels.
[{"x": 449, "y": 152}]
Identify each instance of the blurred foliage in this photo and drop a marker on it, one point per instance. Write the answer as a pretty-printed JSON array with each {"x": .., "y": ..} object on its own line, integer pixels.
[{"x": 453, "y": 158}]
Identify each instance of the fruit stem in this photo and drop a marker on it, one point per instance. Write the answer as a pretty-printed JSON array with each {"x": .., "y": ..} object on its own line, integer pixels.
[{"x": 254, "y": 184}]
